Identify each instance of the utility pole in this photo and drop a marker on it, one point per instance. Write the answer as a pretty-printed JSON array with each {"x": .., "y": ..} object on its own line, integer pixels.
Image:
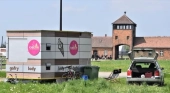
[
  {"x": 2, "y": 43},
  {"x": 60, "y": 15}
]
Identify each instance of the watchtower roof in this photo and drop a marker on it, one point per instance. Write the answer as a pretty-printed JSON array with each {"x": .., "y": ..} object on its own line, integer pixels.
[{"x": 124, "y": 20}]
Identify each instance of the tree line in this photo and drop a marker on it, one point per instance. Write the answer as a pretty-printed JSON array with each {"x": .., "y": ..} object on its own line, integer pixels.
[{"x": 3, "y": 45}]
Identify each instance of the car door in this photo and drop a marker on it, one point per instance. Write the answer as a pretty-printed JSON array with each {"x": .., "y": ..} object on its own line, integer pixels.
[{"x": 160, "y": 70}]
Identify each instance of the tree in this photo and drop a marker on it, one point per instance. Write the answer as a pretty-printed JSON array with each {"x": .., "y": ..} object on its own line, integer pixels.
[
  {"x": 3, "y": 45},
  {"x": 125, "y": 48}
]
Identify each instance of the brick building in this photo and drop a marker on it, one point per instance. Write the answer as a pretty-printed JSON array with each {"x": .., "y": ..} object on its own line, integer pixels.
[
  {"x": 124, "y": 33},
  {"x": 2, "y": 51}
]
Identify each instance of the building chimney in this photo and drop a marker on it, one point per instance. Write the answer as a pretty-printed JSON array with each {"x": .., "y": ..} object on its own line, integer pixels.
[{"x": 105, "y": 35}]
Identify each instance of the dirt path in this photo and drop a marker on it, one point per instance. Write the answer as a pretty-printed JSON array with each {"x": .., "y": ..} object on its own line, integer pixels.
[
  {"x": 2, "y": 79},
  {"x": 106, "y": 74},
  {"x": 3, "y": 70},
  {"x": 101, "y": 75}
]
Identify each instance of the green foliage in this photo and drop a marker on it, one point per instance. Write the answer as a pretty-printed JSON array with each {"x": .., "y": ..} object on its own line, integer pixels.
[
  {"x": 2, "y": 74},
  {"x": 3, "y": 45},
  {"x": 126, "y": 47},
  {"x": 3, "y": 67}
]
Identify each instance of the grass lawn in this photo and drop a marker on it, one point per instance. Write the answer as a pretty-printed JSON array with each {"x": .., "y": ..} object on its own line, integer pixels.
[
  {"x": 108, "y": 66},
  {"x": 2, "y": 74},
  {"x": 92, "y": 86},
  {"x": 78, "y": 86}
]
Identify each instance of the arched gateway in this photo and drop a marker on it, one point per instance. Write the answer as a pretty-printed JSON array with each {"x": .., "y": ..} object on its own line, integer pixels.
[{"x": 124, "y": 31}]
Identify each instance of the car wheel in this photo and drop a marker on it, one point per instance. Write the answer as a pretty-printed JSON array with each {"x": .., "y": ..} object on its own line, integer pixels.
[{"x": 161, "y": 83}]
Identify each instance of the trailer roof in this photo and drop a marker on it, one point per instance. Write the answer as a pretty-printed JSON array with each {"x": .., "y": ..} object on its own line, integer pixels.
[{"x": 47, "y": 31}]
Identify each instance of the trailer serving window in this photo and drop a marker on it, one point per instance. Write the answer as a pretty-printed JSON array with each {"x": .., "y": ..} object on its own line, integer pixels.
[{"x": 48, "y": 46}]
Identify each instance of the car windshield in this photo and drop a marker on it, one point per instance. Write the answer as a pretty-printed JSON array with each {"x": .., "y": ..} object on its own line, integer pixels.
[{"x": 143, "y": 65}]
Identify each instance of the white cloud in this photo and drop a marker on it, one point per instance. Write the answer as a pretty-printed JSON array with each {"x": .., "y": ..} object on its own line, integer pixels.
[{"x": 140, "y": 5}]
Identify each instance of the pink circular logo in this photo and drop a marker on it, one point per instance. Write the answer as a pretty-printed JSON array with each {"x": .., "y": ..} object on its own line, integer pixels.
[
  {"x": 34, "y": 47},
  {"x": 73, "y": 47}
]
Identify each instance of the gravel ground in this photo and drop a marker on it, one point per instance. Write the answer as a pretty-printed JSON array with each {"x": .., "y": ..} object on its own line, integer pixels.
[
  {"x": 101, "y": 75},
  {"x": 107, "y": 74}
]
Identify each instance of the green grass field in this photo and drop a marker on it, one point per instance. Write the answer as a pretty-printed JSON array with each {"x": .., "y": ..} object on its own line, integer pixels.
[
  {"x": 92, "y": 86},
  {"x": 78, "y": 86},
  {"x": 108, "y": 66},
  {"x": 2, "y": 74}
]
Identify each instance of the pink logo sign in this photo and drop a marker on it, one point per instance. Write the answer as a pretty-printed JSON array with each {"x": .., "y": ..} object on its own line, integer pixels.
[
  {"x": 34, "y": 47},
  {"x": 73, "y": 47}
]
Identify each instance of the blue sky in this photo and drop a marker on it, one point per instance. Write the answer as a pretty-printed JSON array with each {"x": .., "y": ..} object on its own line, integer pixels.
[{"x": 152, "y": 16}]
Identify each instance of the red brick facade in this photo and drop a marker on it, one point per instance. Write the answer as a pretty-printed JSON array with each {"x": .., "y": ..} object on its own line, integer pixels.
[
  {"x": 101, "y": 50},
  {"x": 121, "y": 37},
  {"x": 124, "y": 33}
]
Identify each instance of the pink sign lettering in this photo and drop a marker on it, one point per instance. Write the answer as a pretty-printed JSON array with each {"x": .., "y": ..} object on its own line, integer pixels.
[
  {"x": 73, "y": 47},
  {"x": 34, "y": 47}
]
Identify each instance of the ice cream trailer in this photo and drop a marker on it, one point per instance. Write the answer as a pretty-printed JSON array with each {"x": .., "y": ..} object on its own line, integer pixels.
[{"x": 39, "y": 54}]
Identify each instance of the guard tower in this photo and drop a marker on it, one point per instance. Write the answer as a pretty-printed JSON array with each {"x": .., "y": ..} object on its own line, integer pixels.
[{"x": 124, "y": 32}]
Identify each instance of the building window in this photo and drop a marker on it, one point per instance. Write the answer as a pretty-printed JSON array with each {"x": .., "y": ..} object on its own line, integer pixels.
[
  {"x": 116, "y": 37},
  {"x": 127, "y": 37},
  {"x": 121, "y": 26},
  {"x": 127, "y": 27},
  {"x": 124, "y": 27},
  {"x": 105, "y": 52},
  {"x": 48, "y": 46},
  {"x": 161, "y": 53},
  {"x": 48, "y": 66},
  {"x": 130, "y": 27},
  {"x": 117, "y": 26}
]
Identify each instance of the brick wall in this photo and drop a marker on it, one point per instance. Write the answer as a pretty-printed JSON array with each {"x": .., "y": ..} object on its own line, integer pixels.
[
  {"x": 101, "y": 51},
  {"x": 2, "y": 50},
  {"x": 166, "y": 53},
  {"x": 122, "y": 37}
]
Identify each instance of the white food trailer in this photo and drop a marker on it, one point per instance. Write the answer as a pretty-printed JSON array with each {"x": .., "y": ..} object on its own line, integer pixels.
[{"x": 39, "y": 54}]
